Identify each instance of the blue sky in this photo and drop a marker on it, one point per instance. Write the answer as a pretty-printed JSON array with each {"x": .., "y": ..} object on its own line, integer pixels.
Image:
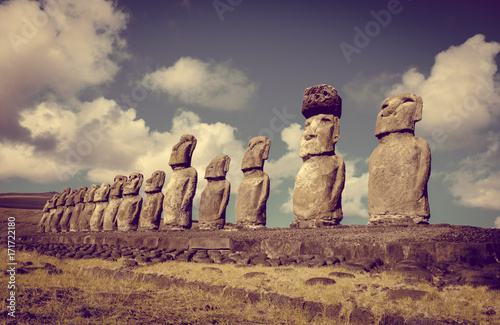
[{"x": 92, "y": 89}]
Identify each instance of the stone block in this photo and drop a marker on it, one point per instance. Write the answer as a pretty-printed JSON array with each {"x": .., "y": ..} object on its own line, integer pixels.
[
  {"x": 210, "y": 243},
  {"x": 277, "y": 248}
]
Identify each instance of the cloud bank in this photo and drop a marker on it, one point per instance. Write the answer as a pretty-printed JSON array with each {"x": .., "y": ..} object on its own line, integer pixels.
[{"x": 206, "y": 84}]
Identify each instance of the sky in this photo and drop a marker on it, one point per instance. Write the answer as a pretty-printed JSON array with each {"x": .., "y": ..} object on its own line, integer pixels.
[{"x": 92, "y": 89}]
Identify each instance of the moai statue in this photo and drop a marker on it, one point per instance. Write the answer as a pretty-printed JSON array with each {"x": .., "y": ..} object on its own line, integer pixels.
[
  {"x": 74, "y": 222},
  {"x": 180, "y": 190},
  {"x": 55, "y": 222},
  {"x": 115, "y": 199},
  {"x": 317, "y": 196},
  {"x": 101, "y": 202},
  {"x": 88, "y": 208},
  {"x": 68, "y": 211},
  {"x": 400, "y": 166},
  {"x": 52, "y": 211},
  {"x": 129, "y": 211},
  {"x": 215, "y": 197},
  {"x": 150, "y": 218},
  {"x": 253, "y": 192},
  {"x": 45, "y": 215}
]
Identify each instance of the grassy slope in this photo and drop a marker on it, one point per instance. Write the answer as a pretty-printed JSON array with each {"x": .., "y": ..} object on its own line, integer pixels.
[{"x": 140, "y": 302}]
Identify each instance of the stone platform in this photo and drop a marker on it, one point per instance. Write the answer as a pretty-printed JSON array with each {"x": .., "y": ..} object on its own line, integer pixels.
[{"x": 425, "y": 244}]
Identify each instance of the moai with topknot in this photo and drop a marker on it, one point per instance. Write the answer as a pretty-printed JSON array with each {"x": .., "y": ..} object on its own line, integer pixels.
[
  {"x": 115, "y": 199},
  {"x": 150, "y": 217},
  {"x": 253, "y": 192},
  {"x": 180, "y": 190},
  {"x": 215, "y": 196},
  {"x": 127, "y": 218},
  {"x": 317, "y": 195},
  {"x": 400, "y": 166}
]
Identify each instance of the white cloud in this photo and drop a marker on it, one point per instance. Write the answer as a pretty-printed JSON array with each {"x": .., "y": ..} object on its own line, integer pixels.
[
  {"x": 356, "y": 188},
  {"x": 54, "y": 48},
  {"x": 477, "y": 182},
  {"x": 497, "y": 223},
  {"x": 213, "y": 85},
  {"x": 461, "y": 98}
]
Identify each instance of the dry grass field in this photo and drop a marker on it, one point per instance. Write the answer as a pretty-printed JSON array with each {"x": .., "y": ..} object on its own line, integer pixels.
[{"x": 74, "y": 297}]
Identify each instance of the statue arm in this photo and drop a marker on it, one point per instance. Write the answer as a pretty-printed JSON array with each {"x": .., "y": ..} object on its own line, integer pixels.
[
  {"x": 190, "y": 190},
  {"x": 264, "y": 195},
  {"x": 225, "y": 197},
  {"x": 424, "y": 170},
  {"x": 338, "y": 186}
]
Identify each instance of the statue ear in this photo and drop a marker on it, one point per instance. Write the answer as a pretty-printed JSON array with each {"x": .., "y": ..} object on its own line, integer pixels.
[
  {"x": 193, "y": 146},
  {"x": 226, "y": 163},
  {"x": 418, "y": 109},
  {"x": 267, "y": 146},
  {"x": 336, "y": 129}
]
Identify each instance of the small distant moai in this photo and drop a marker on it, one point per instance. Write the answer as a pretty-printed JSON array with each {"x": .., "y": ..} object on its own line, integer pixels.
[
  {"x": 317, "y": 196},
  {"x": 115, "y": 199},
  {"x": 150, "y": 217},
  {"x": 74, "y": 222},
  {"x": 129, "y": 211},
  {"x": 215, "y": 196},
  {"x": 55, "y": 222},
  {"x": 45, "y": 215},
  {"x": 400, "y": 166},
  {"x": 253, "y": 192},
  {"x": 52, "y": 211},
  {"x": 180, "y": 190},
  {"x": 68, "y": 211},
  {"x": 88, "y": 208},
  {"x": 101, "y": 202}
]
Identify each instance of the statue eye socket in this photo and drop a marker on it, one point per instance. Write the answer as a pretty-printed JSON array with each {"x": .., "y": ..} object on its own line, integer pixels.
[
  {"x": 384, "y": 106},
  {"x": 324, "y": 119},
  {"x": 408, "y": 100}
]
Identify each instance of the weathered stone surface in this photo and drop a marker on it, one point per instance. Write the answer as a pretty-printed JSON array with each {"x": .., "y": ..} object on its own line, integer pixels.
[
  {"x": 101, "y": 202},
  {"x": 320, "y": 280},
  {"x": 253, "y": 192},
  {"x": 400, "y": 166},
  {"x": 317, "y": 196},
  {"x": 68, "y": 211},
  {"x": 277, "y": 248},
  {"x": 129, "y": 211},
  {"x": 44, "y": 224},
  {"x": 115, "y": 199},
  {"x": 321, "y": 99},
  {"x": 215, "y": 196},
  {"x": 150, "y": 217},
  {"x": 88, "y": 208},
  {"x": 74, "y": 222},
  {"x": 210, "y": 243},
  {"x": 55, "y": 222},
  {"x": 180, "y": 190}
]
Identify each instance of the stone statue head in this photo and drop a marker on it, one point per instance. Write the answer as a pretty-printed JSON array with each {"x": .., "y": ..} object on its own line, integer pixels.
[
  {"x": 218, "y": 167},
  {"x": 52, "y": 201},
  {"x": 321, "y": 99},
  {"x": 133, "y": 184},
  {"x": 62, "y": 197},
  {"x": 89, "y": 195},
  {"x": 102, "y": 194},
  {"x": 80, "y": 194},
  {"x": 117, "y": 188},
  {"x": 155, "y": 182},
  {"x": 257, "y": 151},
  {"x": 70, "y": 199},
  {"x": 183, "y": 151},
  {"x": 320, "y": 135},
  {"x": 399, "y": 114}
]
